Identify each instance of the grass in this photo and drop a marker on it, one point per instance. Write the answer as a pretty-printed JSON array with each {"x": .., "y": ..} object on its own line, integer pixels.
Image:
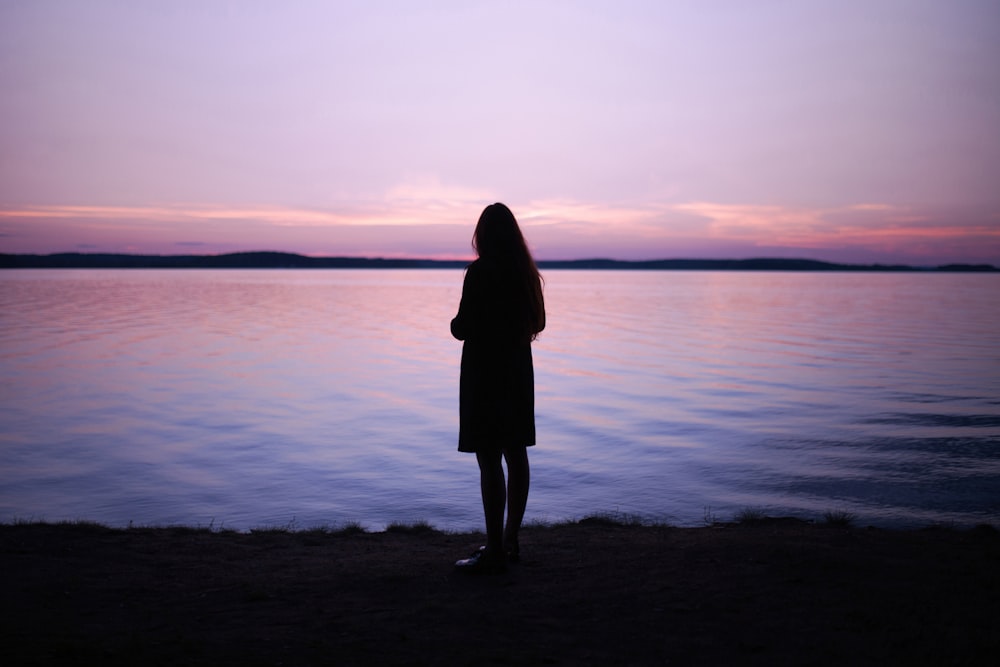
[
  {"x": 750, "y": 515},
  {"x": 618, "y": 520},
  {"x": 416, "y": 528},
  {"x": 747, "y": 515},
  {"x": 349, "y": 528},
  {"x": 78, "y": 525},
  {"x": 615, "y": 519},
  {"x": 838, "y": 518},
  {"x": 344, "y": 529}
]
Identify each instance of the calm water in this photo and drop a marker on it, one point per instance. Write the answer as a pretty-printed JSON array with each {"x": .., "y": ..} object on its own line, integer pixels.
[{"x": 245, "y": 399}]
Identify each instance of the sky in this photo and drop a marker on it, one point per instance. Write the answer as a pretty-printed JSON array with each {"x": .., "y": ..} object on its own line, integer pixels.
[{"x": 853, "y": 131}]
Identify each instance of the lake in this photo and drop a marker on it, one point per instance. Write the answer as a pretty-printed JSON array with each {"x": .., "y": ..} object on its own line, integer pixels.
[{"x": 303, "y": 398}]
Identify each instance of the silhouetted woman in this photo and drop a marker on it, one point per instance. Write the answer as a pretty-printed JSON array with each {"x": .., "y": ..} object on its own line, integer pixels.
[{"x": 501, "y": 312}]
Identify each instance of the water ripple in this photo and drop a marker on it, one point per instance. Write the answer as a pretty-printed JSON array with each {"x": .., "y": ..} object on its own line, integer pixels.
[{"x": 248, "y": 398}]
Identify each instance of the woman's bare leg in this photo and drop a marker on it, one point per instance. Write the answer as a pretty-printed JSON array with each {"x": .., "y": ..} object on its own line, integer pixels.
[
  {"x": 494, "y": 490},
  {"x": 518, "y": 481}
]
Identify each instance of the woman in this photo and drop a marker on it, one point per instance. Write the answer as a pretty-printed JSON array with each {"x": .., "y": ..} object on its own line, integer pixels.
[{"x": 501, "y": 312}]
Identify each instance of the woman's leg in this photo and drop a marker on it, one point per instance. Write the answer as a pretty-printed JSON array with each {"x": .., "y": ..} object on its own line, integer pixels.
[
  {"x": 518, "y": 480},
  {"x": 494, "y": 490}
]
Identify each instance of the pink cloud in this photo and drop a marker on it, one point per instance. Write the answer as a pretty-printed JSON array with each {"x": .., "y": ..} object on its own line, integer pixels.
[{"x": 430, "y": 220}]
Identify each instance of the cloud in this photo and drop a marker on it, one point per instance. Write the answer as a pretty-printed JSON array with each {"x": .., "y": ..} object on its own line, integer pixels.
[
  {"x": 423, "y": 217},
  {"x": 416, "y": 202},
  {"x": 825, "y": 227}
]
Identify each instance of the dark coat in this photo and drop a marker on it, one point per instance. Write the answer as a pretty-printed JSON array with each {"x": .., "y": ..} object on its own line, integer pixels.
[{"x": 497, "y": 387}]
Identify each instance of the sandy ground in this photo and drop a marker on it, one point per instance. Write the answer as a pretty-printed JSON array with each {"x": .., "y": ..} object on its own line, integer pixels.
[{"x": 773, "y": 592}]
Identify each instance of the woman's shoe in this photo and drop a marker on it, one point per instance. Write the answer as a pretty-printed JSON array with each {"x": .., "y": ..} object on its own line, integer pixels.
[
  {"x": 482, "y": 562},
  {"x": 513, "y": 552}
]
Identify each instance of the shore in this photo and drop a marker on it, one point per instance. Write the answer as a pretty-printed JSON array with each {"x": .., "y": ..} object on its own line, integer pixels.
[{"x": 767, "y": 592}]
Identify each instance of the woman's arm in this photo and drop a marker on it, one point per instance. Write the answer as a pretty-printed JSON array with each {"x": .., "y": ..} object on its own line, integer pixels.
[
  {"x": 541, "y": 319},
  {"x": 465, "y": 321}
]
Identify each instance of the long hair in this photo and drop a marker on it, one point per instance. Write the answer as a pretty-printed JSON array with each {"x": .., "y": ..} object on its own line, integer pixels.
[{"x": 498, "y": 239}]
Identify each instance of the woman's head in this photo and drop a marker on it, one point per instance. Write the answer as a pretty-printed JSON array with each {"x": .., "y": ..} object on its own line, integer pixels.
[
  {"x": 498, "y": 235},
  {"x": 498, "y": 239}
]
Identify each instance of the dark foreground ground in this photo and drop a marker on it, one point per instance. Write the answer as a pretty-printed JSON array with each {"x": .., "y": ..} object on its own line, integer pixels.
[{"x": 773, "y": 592}]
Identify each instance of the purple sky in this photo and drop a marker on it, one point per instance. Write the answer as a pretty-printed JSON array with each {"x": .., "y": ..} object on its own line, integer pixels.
[{"x": 855, "y": 130}]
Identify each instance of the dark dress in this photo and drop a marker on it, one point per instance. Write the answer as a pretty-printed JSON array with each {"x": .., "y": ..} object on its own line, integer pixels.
[{"x": 497, "y": 386}]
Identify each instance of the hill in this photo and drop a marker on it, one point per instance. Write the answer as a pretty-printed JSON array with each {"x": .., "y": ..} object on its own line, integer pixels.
[{"x": 284, "y": 260}]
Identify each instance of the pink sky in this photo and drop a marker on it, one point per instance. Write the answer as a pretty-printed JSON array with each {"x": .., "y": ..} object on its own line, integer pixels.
[{"x": 855, "y": 131}]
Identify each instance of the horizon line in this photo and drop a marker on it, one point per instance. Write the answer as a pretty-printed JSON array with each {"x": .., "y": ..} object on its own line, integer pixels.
[{"x": 35, "y": 260}]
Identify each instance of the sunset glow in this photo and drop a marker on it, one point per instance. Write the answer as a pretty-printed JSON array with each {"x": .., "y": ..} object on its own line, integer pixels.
[{"x": 853, "y": 132}]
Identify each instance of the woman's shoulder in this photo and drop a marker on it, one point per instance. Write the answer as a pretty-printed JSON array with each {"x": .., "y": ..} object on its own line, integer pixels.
[
  {"x": 482, "y": 268},
  {"x": 478, "y": 274}
]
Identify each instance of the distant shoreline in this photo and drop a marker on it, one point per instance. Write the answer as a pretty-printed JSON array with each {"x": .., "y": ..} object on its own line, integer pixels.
[{"x": 283, "y": 260}]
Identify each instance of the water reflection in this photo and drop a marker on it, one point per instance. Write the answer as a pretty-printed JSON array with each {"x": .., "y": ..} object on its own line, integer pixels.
[{"x": 254, "y": 397}]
